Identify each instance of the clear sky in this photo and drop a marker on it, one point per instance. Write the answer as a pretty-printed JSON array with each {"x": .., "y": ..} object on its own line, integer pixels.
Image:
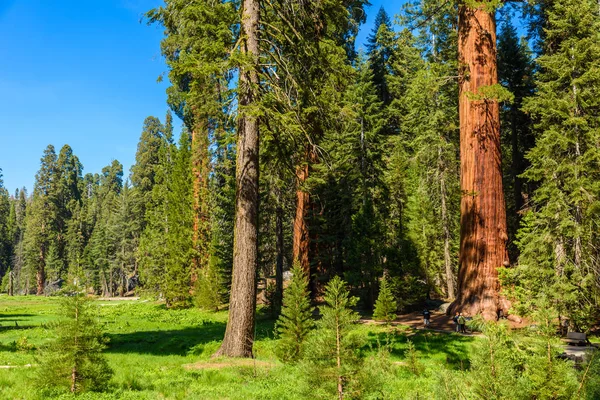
[{"x": 82, "y": 73}]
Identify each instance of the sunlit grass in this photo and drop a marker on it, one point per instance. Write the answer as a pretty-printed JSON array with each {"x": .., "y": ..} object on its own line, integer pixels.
[{"x": 151, "y": 350}]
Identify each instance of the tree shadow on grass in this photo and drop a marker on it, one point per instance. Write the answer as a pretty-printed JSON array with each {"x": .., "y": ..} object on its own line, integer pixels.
[
  {"x": 9, "y": 322},
  {"x": 166, "y": 342},
  {"x": 452, "y": 348},
  {"x": 178, "y": 341}
]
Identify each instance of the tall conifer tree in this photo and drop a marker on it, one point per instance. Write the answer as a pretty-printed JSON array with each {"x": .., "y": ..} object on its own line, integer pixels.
[{"x": 559, "y": 240}]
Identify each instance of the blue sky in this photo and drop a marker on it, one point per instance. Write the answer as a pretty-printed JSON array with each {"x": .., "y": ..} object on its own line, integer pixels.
[{"x": 82, "y": 73}]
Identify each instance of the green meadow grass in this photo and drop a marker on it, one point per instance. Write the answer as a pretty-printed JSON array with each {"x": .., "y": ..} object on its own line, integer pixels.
[{"x": 166, "y": 354}]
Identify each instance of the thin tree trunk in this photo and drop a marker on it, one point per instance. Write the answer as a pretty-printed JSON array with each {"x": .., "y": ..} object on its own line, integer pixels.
[
  {"x": 201, "y": 226},
  {"x": 280, "y": 250},
  {"x": 239, "y": 334},
  {"x": 483, "y": 232},
  {"x": 74, "y": 373},
  {"x": 338, "y": 346},
  {"x": 41, "y": 275},
  {"x": 10, "y": 283},
  {"x": 447, "y": 259}
]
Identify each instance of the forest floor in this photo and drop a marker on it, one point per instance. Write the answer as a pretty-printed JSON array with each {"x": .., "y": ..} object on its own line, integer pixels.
[{"x": 166, "y": 354}]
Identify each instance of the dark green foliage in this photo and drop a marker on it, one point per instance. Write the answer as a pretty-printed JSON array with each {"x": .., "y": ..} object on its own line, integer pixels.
[
  {"x": 74, "y": 359},
  {"x": 176, "y": 285},
  {"x": 385, "y": 307},
  {"x": 515, "y": 73},
  {"x": 379, "y": 49},
  {"x": 559, "y": 240},
  {"x": 153, "y": 192},
  {"x": 6, "y": 228},
  {"x": 296, "y": 320}
]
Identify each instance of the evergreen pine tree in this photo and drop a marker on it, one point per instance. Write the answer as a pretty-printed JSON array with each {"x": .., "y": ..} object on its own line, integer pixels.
[
  {"x": 18, "y": 262},
  {"x": 125, "y": 231},
  {"x": 42, "y": 218},
  {"x": 334, "y": 349},
  {"x": 515, "y": 73},
  {"x": 379, "y": 48},
  {"x": 176, "y": 285},
  {"x": 295, "y": 322},
  {"x": 75, "y": 360},
  {"x": 559, "y": 241},
  {"x": 6, "y": 228},
  {"x": 385, "y": 307}
]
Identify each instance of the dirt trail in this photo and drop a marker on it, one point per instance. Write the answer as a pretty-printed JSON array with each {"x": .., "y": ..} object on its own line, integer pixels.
[{"x": 438, "y": 321}]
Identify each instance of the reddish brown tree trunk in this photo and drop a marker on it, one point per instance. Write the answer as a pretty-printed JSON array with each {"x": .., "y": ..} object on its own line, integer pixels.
[
  {"x": 200, "y": 174},
  {"x": 301, "y": 241},
  {"x": 483, "y": 215},
  {"x": 239, "y": 334}
]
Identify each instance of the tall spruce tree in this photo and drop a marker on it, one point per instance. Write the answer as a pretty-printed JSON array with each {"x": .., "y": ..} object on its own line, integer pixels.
[
  {"x": 152, "y": 254},
  {"x": 515, "y": 73},
  {"x": 179, "y": 234},
  {"x": 6, "y": 242},
  {"x": 198, "y": 39},
  {"x": 379, "y": 50},
  {"x": 559, "y": 240},
  {"x": 41, "y": 228},
  {"x": 18, "y": 268}
]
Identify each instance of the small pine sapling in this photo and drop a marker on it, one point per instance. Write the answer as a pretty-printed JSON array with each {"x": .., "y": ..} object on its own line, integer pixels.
[
  {"x": 412, "y": 359},
  {"x": 335, "y": 349},
  {"x": 75, "y": 360},
  {"x": 295, "y": 321},
  {"x": 385, "y": 306}
]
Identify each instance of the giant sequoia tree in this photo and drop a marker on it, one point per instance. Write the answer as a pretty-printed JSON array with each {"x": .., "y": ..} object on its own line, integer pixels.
[{"x": 483, "y": 216}]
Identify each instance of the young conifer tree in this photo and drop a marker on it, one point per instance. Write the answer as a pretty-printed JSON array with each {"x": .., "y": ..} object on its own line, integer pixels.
[
  {"x": 295, "y": 321},
  {"x": 74, "y": 360},
  {"x": 385, "y": 306},
  {"x": 334, "y": 349}
]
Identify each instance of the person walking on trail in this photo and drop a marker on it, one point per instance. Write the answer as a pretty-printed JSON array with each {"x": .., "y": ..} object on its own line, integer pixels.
[
  {"x": 455, "y": 319},
  {"x": 462, "y": 322},
  {"x": 426, "y": 317}
]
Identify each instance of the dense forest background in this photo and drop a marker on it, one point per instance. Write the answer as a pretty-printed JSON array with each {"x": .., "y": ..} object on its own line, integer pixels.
[{"x": 358, "y": 159}]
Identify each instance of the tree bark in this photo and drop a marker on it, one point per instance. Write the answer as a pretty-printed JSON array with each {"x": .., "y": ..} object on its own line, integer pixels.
[
  {"x": 280, "y": 251},
  {"x": 239, "y": 334},
  {"x": 41, "y": 273},
  {"x": 301, "y": 240},
  {"x": 483, "y": 232},
  {"x": 447, "y": 258},
  {"x": 200, "y": 174}
]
